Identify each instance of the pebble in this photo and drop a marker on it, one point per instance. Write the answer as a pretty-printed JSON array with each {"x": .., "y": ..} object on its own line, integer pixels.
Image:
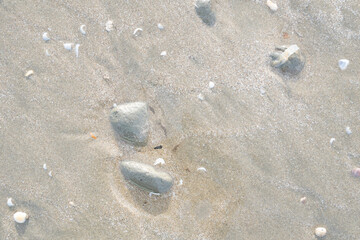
[
  {"x": 343, "y": 64},
  {"x": 273, "y": 6},
  {"x": 211, "y": 85},
  {"x": 20, "y": 217},
  {"x": 146, "y": 176},
  {"x": 83, "y": 29},
  {"x": 29, "y": 73},
  {"x": 10, "y": 203},
  {"x": 348, "y": 131},
  {"x": 72, "y": 204},
  {"x": 109, "y": 26},
  {"x": 320, "y": 232},
  {"x": 201, "y": 97},
  {"x": 203, "y": 10},
  {"x": 45, "y": 37},
  {"x": 131, "y": 122},
  {"x": 288, "y": 58},
  {"x": 160, "y": 26},
  {"x": 68, "y": 46},
  {"x": 159, "y": 161},
  {"x": 262, "y": 91},
  {"x": 163, "y": 53},
  {"x": 355, "y": 172}
]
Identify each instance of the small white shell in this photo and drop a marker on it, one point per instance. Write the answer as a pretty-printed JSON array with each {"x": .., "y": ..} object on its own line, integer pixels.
[
  {"x": 159, "y": 161},
  {"x": 343, "y": 64},
  {"x": 262, "y": 91},
  {"x": 109, "y": 26},
  {"x": 68, "y": 46},
  {"x": 273, "y": 6},
  {"x": 160, "y": 26},
  {"x": 71, "y": 203},
  {"x": 29, "y": 73},
  {"x": 320, "y": 232},
  {"x": 20, "y": 217},
  {"x": 348, "y": 131},
  {"x": 77, "y": 50},
  {"x": 44, "y": 166},
  {"x": 137, "y": 31},
  {"x": 47, "y": 53},
  {"x": 10, "y": 203},
  {"x": 332, "y": 140},
  {"x": 50, "y": 174},
  {"x": 163, "y": 53},
  {"x": 201, "y": 97},
  {"x": 180, "y": 182},
  {"x": 152, "y": 193},
  {"x": 202, "y": 169},
  {"x": 303, "y": 200},
  {"x": 83, "y": 29},
  {"x": 45, "y": 37},
  {"x": 211, "y": 85}
]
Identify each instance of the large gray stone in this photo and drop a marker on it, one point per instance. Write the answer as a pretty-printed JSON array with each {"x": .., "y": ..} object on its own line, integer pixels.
[
  {"x": 146, "y": 176},
  {"x": 288, "y": 58},
  {"x": 203, "y": 10},
  {"x": 131, "y": 122}
]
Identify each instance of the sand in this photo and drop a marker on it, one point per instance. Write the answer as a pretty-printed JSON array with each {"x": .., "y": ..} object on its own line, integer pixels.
[{"x": 263, "y": 137}]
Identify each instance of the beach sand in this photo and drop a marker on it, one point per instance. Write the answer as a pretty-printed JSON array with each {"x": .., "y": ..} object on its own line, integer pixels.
[{"x": 262, "y": 136}]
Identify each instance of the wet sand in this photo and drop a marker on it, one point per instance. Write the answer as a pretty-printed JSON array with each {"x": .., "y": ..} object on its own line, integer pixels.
[{"x": 263, "y": 151}]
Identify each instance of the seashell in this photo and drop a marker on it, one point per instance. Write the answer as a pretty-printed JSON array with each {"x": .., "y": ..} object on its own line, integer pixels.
[
  {"x": 160, "y": 26},
  {"x": 137, "y": 32},
  {"x": 343, "y": 64},
  {"x": 180, "y": 182},
  {"x": 159, "y": 161},
  {"x": 320, "y": 232},
  {"x": 348, "y": 131},
  {"x": 201, "y": 97},
  {"x": 10, "y": 203},
  {"x": 262, "y": 91},
  {"x": 77, "y": 50},
  {"x": 29, "y": 73},
  {"x": 72, "y": 204},
  {"x": 273, "y": 6},
  {"x": 45, "y": 37},
  {"x": 152, "y": 193},
  {"x": 44, "y": 166},
  {"x": 211, "y": 85},
  {"x": 47, "y": 53},
  {"x": 163, "y": 53},
  {"x": 50, "y": 174},
  {"x": 202, "y": 169},
  {"x": 109, "y": 26},
  {"x": 355, "y": 172},
  {"x": 303, "y": 200},
  {"x": 68, "y": 46},
  {"x": 332, "y": 140},
  {"x": 20, "y": 217},
  {"x": 83, "y": 29}
]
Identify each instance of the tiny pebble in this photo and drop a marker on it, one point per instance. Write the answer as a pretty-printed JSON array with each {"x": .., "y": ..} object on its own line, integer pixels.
[
  {"x": 332, "y": 140},
  {"x": 343, "y": 64},
  {"x": 356, "y": 172},
  {"x": 348, "y": 130},
  {"x": 71, "y": 203},
  {"x": 201, "y": 97},
  {"x": 202, "y": 169},
  {"x": 320, "y": 232},
  {"x": 160, "y": 26},
  {"x": 68, "y": 46},
  {"x": 10, "y": 203},
  {"x": 109, "y": 26},
  {"x": 273, "y": 6},
  {"x": 303, "y": 200},
  {"x": 20, "y": 217},
  {"x": 163, "y": 53},
  {"x": 44, "y": 166},
  {"x": 29, "y": 73},
  {"x": 262, "y": 91},
  {"x": 45, "y": 37},
  {"x": 211, "y": 85},
  {"x": 159, "y": 161}
]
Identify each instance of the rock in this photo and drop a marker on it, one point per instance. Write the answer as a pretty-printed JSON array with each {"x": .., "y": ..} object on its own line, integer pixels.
[
  {"x": 288, "y": 58},
  {"x": 131, "y": 122},
  {"x": 20, "y": 217},
  {"x": 203, "y": 10},
  {"x": 146, "y": 176}
]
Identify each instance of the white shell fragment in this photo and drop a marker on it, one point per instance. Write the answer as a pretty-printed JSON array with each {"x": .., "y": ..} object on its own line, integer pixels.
[
  {"x": 332, "y": 140},
  {"x": 262, "y": 91},
  {"x": 68, "y": 46},
  {"x": 45, "y": 37},
  {"x": 303, "y": 200},
  {"x": 180, "y": 182},
  {"x": 211, "y": 85},
  {"x": 152, "y": 193},
  {"x": 163, "y": 53},
  {"x": 44, "y": 166},
  {"x": 343, "y": 64},
  {"x": 77, "y": 50},
  {"x": 29, "y": 73},
  {"x": 20, "y": 217},
  {"x": 159, "y": 161},
  {"x": 72, "y": 204},
  {"x": 201, "y": 97},
  {"x": 10, "y": 203},
  {"x": 273, "y": 6},
  {"x": 109, "y": 26},
  {"x": 348, "y": 131},
  {"x": 83, "y": 29},
  {"x": 201, "y": 169},
  {"x": 137, "y": 32},
  {"x": 160, "y": 26},
  {"x": 320, "y": 232},
  {"x": 50, "y": 174}
]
